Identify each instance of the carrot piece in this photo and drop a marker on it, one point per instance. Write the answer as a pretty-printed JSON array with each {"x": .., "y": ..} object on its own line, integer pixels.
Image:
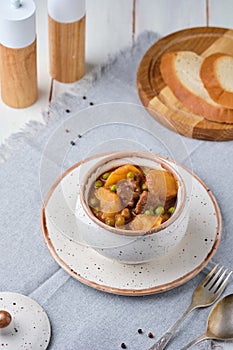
[{"x": 121, "y": 173}]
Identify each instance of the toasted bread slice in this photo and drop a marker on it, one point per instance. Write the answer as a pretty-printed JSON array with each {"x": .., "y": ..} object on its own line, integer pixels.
[
  {"x": 217, "y": 76},
  {"x": 181, "y": 72}
]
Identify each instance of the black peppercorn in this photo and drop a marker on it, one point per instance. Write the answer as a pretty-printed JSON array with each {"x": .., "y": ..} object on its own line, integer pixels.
[
  {"x": 150, "y": 335},
  {"x": 140, "y": 331},
  {"x": 123, "y": 346},
  {"x": 72, "y": 143}
]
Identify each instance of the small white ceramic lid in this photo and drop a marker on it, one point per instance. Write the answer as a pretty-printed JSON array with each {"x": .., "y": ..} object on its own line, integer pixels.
[
  {"x": 66, "y": 11},
  {"x": 17, "y": 24},
  {"x": 29, "y": 326}
]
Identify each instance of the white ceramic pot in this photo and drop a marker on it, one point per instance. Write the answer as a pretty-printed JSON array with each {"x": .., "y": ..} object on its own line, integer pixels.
[{"x": 128, "y": 246}]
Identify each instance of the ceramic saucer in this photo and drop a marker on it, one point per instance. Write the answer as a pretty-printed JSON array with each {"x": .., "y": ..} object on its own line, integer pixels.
[{"x": 83, "y": 263}]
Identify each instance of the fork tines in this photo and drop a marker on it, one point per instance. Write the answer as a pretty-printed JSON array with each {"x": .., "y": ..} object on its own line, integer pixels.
[{"x": 216, "y": 280}]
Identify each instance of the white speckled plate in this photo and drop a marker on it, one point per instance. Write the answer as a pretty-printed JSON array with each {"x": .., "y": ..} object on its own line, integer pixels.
[
  {"x": 30, "y": 326},
  {"x": 83, "y": 263}
]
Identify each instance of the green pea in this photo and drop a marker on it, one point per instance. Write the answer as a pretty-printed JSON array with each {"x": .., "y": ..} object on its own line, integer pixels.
[
  {"x": 144, "y": 187},
  {"x": 113, "y": 188},
  {"x": 130, "y": 175},
  {"x": 94, "y": 202},
  {"x": 105, "y": 176},
  {"x": 159, "y": 210},
  {"x": 98, "y": 183},
  {"x": 110, "y": 221},
  {"x": 171, "y": 210},
  {"x": 149, "y": 212}
]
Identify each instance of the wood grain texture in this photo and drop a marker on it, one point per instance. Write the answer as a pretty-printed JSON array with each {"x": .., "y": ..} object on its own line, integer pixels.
[
  {"x": 109, "y": 29},
  {"x": 158, "y": 98},
  {"x": 67, "y": 50},
  {"x": 18, "y": 71},
  {"x": 109, "y": 26}
]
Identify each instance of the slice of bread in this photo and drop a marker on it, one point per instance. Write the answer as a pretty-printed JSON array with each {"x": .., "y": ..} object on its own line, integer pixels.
[
  {"x": 181, "y": 72},
  {"x": 217, "y": 76}
]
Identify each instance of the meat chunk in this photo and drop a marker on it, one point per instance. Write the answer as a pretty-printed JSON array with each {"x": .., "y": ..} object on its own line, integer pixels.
[
  {"x": 133, "y": 200},
  {"x": 170, "y": 203},
  {"x": 135, "y": 185},
  {"x": 141, "y": 202},
  {"x": 128, "y": 191},
  {"x": 125, "y": 191}
]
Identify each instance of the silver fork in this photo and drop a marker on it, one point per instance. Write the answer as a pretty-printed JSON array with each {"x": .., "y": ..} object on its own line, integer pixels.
[{"x": 204, "y": 295}]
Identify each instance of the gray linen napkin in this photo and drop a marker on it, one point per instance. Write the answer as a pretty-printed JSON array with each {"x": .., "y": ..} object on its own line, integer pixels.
[{"x": 83, "y": 318}]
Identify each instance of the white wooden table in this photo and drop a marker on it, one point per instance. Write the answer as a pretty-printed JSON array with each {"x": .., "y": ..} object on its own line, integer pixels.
[{"x": 111, "y": 26}]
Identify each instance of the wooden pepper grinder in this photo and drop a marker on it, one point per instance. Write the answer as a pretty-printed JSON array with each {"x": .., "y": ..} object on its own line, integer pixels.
[
  {"x": 67, "y": 39},
  {"x": 18, "y": 68}
]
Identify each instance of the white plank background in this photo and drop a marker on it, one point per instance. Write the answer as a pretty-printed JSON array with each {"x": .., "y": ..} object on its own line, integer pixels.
[
  {"x": 221, "y": 13},
  {"x": 111, "y": 25},
  {"x": 166, "y": 16}
]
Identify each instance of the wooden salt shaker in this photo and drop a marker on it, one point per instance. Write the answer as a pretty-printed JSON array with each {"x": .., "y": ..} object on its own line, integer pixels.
[
  {"x": 67, "y": 39},
  {"x": 18, "y": 67}
]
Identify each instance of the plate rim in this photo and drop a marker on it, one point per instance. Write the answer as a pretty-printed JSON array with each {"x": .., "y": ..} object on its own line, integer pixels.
[{"x": 122, "y": 291}]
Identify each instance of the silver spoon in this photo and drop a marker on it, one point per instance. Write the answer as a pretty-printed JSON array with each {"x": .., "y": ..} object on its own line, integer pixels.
[{"x": 219, "y": 324}]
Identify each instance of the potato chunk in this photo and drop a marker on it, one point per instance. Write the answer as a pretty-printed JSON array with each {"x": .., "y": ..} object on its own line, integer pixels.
[
  {"x": 121, "y": 173},
  {"x": 109, "y": 201},
  {"x": 145, "y": 222},
  {"x": 162, "y": 183}
]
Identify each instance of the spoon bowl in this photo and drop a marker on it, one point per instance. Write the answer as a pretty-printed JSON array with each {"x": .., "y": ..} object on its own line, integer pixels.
[
  {"x": 220, "y": 320},
  {"x": 219, "y": 324}
]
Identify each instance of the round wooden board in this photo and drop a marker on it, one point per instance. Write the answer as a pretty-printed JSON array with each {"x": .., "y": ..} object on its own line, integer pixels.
[{"x": 158, "y": 98}]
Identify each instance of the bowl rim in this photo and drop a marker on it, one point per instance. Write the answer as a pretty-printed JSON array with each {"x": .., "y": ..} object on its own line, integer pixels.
[{"x": 143, "y": 155}]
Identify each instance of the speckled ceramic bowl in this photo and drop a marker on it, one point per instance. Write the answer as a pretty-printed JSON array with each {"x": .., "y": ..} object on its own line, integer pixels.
[{"x": 126, "y": 245}]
